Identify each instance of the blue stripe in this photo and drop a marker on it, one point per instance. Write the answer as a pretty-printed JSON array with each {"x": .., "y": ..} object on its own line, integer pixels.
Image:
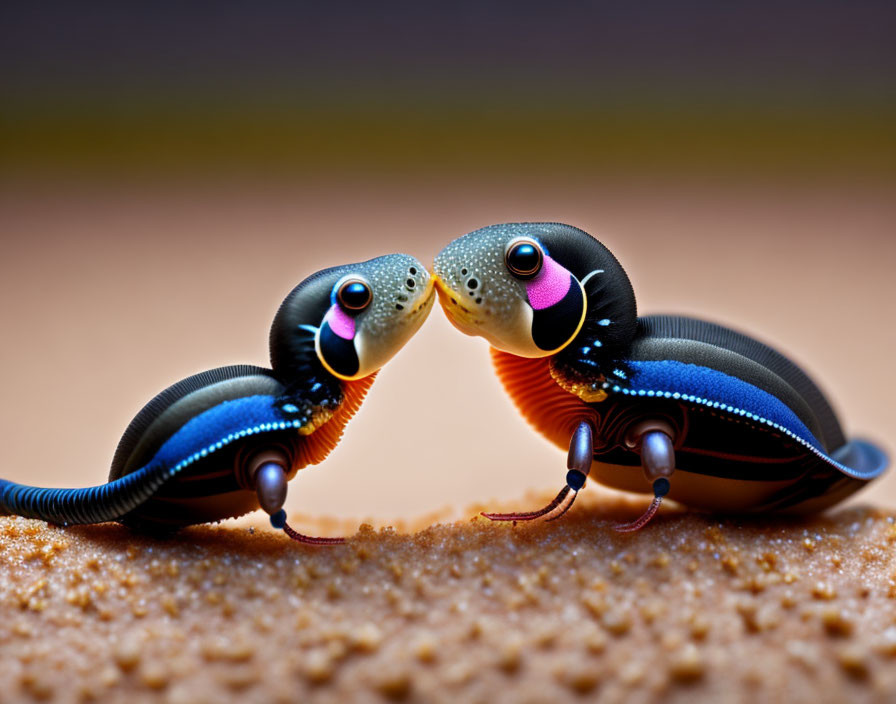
[
  {"x": 715, "y": 389},
  {"x": 219, "y": 426},
  {"x": 199, "y": 437}
]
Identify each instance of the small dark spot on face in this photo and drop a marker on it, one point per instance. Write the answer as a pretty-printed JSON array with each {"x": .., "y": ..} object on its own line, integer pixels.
[
  {"x": 472, "y": 283},
  {"x": 411, "y": 283},
  {"x": 453, "y": 301},
  {"x": 479, "y": 300},
  {"x": 398, "y": 306},
  {"x": 412, "y": 271},
  {"x": 464, "y": 272},
  {"x": 401, "y": 297}
]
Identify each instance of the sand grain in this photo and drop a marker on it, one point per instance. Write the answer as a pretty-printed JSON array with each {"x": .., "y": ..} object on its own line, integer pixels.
[{"x": 691, "y": 608}]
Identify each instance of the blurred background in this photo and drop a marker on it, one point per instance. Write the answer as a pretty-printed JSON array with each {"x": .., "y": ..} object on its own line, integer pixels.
[{"x": 168, "y": 173}]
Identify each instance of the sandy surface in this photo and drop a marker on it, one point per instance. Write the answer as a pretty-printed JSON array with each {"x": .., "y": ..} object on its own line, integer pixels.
[{"x": 693, "y": 608}]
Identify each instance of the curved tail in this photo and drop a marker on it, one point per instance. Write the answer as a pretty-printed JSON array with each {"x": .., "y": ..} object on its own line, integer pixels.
[
  {"x": 862, "y": 458},
  {"x": 95, "y": 504}
]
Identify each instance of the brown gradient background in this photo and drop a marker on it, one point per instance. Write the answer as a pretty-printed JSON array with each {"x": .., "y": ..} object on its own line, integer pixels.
[
  {"x": 110, "y": 294},
  {"x": 168, "y": 174}
]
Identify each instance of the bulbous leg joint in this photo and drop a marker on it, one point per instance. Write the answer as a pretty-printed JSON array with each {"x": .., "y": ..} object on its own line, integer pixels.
[
  {"x": 657, "y": 455},
  {"x": 268, "y": 472},
  {"x": 271, "y": 485},
  {"x": 654, "y": 440},
  {"x": 581, "y": 451}
]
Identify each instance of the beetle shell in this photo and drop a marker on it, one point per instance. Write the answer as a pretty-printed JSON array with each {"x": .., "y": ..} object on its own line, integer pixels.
[
  {"x": 207, "y": 427},
  {"x": 753, "y": 432}
]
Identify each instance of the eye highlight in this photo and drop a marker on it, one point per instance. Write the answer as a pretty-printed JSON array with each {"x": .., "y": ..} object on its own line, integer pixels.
[
  {"x": 524, "y": 258},
  {"x": 354, "y": 295}
]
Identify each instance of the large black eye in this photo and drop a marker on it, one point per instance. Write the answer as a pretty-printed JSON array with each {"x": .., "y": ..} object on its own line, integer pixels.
[
  {"x": 354, "y": 295},
  {"x": 524, "y": 259}
]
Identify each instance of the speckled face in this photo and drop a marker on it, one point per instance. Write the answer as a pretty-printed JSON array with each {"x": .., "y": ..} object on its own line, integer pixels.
[
  {"x": 501, "y": 283},
  {"x": 375, "y": 309},
  {"x": 359, "y": 314}
]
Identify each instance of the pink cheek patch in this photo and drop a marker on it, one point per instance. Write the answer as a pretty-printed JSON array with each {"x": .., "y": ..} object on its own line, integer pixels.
[
  {"x": 550, "y": 286},
  {"x": 340, "y": 323}
]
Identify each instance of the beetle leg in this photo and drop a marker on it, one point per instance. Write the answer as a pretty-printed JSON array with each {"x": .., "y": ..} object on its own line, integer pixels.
[
  {"x": 270, "y": 485},
  {"x": 278, "y": 520},
  {"x": 529, "y": 515},
  {"x": 654, "y": 441},
  {"x": 269, "y": 477},
  {"x": 578, "y": 462}
]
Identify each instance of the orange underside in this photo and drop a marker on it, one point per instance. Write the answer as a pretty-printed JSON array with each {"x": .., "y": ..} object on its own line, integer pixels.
[
  {"x": 552, "y": 411},
  {"x": 315, "y": 447}
]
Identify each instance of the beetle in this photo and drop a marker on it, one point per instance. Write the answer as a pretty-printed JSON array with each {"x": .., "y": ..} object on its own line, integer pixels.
[
  {"x": 741, "y": 427},
  {"x": 225, "y": 442}
]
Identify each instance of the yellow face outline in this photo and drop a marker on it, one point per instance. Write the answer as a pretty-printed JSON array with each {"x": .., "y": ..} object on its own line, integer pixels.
[
  {"x": 514, "y": 323},
  {"x": 412, "y": 321}
]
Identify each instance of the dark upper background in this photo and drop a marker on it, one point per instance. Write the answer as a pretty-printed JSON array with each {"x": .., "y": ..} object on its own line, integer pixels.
[
  {"x": 410, "y": 86},
  {"x": 169, "y": 172}
]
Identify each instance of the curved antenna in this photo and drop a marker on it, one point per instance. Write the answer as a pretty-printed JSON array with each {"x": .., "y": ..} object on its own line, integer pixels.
[
  {"x": 310, "y": 540},
  {"x": 578, "y": 462},
  {"x": 278, "y": 520},
  {"x": 643, "y": 520},
  {"x": 530, "y": 515},
  {"x": 660, "y": 489},
  {"x": 566, "y": 507}
]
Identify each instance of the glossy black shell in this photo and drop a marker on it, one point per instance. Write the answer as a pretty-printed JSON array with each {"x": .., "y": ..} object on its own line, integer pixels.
[
  {"x": 732, "y": 460},
  {"x": 210, "y": 488},
  {"x": 728, "y": 456}
]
